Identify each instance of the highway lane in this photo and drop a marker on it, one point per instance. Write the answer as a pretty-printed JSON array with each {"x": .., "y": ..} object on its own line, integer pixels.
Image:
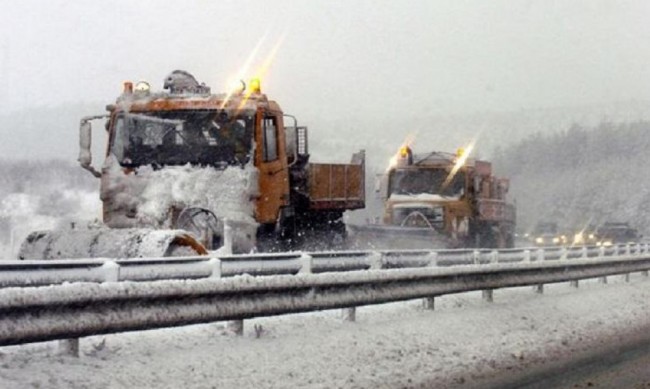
[{"x": 617, "y": 368}]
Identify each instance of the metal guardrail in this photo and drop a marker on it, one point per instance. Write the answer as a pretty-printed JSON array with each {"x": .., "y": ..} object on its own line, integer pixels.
[
  {"x": 83, "y": 309},
  {"x": 47, "y": 272}
]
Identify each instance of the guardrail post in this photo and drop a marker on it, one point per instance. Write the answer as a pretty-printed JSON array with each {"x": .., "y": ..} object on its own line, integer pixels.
[
  {"x": 236, "y": 327},
  {"x": 69, "y": 347},
  {"x": 644, "y": 273},
  {"x": 603, "y": 280},
  {"x": 476, "y": 256},
  {"x": 429, "y": 302},
  {"x": 615, "y": 250},
  {"x": 540, "y": 254},
  {"x": 111, "y": 270},
  {"x": 350, "y": 314},
  {"x": 574, "y": 283},
  {"x": 526, "y": 255},
  {"x": 488, "y": 295},
  {"x": 375, "y": 260},
  {"x": 585, "y": 252},
  {"x": 227, "y": 238},
  {"x": 539, "y": 288},
  {"x": 494, "y": 256},
  {"x": 215, "y": 267},
  {"x": 628, "y": 249},
  {"x": 433, "y": 259},
  {"x": 306, "y": 264},
  {"x": 601, "y": 252},
  {"x": 563, "y": 253},
  {"x": 626, "y": 277}
]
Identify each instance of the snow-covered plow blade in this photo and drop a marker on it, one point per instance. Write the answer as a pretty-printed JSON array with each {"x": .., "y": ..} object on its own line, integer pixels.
[
  {"x": 109, "y": 243},
  {"x": 374, "y": 236}
]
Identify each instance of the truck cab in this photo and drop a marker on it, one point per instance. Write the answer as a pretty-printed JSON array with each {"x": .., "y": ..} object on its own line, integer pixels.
[{"x": 451, "y": 194}]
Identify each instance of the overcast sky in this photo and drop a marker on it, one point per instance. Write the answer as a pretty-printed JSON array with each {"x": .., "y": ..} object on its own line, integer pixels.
[
  {"x": 456, "y": 55},
  {"x": 339, "y": 58}
]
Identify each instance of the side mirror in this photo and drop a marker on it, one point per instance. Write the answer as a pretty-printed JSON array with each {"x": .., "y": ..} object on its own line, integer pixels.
[{"x": 85, "y": 141}]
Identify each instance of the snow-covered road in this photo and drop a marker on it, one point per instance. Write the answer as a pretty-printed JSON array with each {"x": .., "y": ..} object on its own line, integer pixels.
[{"x": 465, "y": 342}]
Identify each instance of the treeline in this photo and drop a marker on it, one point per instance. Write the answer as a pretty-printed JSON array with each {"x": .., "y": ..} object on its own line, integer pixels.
[
  {"x": 581, "y": 176},
  {"x": 41, "y": 177}
]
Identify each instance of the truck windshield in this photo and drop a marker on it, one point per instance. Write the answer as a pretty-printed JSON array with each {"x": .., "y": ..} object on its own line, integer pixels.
[
  {"x": 198, "y": 137},
  {"x": 427, "y": 181}
]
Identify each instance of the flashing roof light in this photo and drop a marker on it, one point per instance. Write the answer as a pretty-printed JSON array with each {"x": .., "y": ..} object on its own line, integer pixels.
[
  {"x": 255, "y": 85},
  {"x": 142, "y": 86},
  {"x": 237, "y": 86},
  {"x": 404, "y": 151},
  {"x": 128, "y": 87}
]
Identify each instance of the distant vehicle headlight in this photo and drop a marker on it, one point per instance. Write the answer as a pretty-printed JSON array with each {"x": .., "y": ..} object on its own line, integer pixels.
[
  {"x": 556, "y": 240},
  {"x": 607, "y": 243},
  {"x": 539, "y": 240}
]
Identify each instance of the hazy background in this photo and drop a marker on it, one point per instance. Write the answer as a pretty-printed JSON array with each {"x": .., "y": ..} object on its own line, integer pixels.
[
  {"x": 382, "y": 68},
  {"x": 360, "y": 74}
]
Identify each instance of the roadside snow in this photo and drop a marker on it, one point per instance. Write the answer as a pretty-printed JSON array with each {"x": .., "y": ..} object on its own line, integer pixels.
[
  {"x": 24, "y": 213},
  {"x": 464, "y": 341}
]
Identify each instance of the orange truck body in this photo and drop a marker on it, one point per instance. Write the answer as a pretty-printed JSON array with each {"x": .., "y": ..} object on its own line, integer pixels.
[{"x": 469, "y": 207}]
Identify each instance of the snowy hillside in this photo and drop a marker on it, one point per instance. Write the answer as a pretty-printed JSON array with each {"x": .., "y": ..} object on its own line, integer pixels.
[{"x": 582, "y": 175}]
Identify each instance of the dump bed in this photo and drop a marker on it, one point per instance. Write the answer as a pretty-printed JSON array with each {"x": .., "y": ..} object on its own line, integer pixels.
[{"x": 337, "y": 186}]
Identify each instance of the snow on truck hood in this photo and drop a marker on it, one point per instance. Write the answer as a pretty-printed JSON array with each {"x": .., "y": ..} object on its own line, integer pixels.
[
  {"x": 422, "y": 197},
  {"x": 229, "y": 193}
]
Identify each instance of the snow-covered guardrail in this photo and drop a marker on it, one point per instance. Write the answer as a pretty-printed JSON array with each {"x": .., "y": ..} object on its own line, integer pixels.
[
  {"x": 48, "y": 272},
  {"x": 81, "y": 309}
]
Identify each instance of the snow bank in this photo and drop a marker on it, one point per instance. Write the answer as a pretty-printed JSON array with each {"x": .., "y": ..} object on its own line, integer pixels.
[{"x": 30, "y": 212}]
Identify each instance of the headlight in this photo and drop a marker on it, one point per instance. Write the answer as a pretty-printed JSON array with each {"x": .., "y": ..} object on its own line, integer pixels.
[
  {"x": 556, "y": 240},
  {"x": 539, "y": 240},
  {"x": 607, "y": 243}
]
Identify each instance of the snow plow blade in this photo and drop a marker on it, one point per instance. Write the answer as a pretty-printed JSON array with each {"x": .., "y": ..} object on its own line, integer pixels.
[
  {"x": 109, "y": 243},
  {"x": 382, "y": 237}
]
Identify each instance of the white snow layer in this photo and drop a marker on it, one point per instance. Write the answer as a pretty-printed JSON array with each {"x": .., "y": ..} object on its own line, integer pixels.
[
  {"x": 228, "y": 193},
  {"x": 422, "y": 197},
  {"x": 464, "y": 342},
  {"x": 22, "y": 211}
]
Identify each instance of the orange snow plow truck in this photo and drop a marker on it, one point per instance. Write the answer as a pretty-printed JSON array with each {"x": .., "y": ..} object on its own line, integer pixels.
[
  {"x": 440, "y": 200},
  {"x": 187, "y": 172}
]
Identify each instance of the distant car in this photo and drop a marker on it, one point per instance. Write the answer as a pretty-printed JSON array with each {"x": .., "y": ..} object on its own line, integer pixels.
[
  {"x": 616, "y": 233},
  {"x": 586, "y": 236},
  {"x": 547, "y": 234}
]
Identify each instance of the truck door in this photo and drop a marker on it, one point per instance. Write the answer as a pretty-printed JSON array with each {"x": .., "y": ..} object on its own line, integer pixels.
[{"x": 271, "y": 160}]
